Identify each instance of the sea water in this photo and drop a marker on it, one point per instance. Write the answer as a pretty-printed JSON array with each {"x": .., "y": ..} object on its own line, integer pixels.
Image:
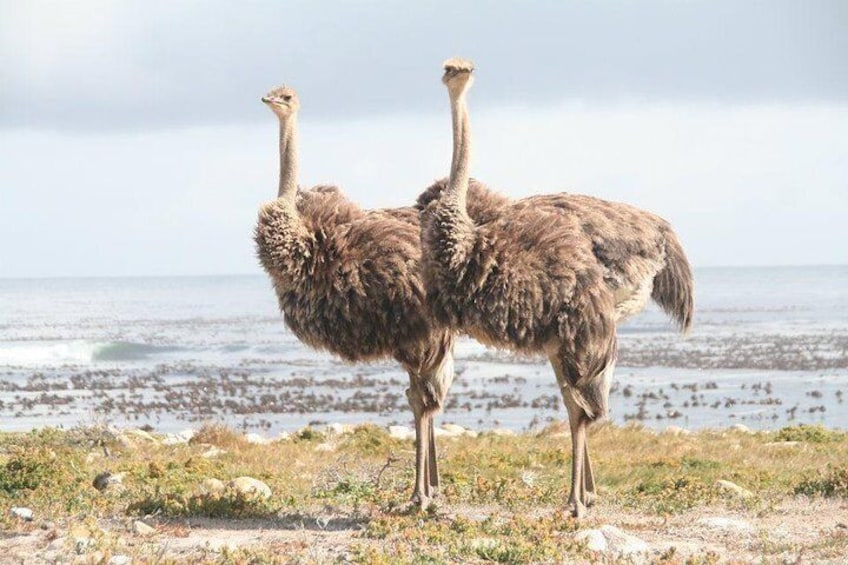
[{"x": 769, "y": 347}]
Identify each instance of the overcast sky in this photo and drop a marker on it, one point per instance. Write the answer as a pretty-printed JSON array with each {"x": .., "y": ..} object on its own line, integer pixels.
[{"x": 133, "y": 142}]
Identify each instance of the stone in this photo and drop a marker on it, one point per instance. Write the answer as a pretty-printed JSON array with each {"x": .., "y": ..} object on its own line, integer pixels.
[
  {"x": 22, "y": 513},
  {"x": 622, "y": 543},
  {"x": 142, "y": 529},
  {"x": 283, "y": 436},
  {"x": 256, "y": 439},
  {"x": 141, "y": 435},
  {"x": 212, "y": 487},
  {"x": 213, "y": 452},
  {"x": 108, "y": 481},
  {"x": 742, "y": 428},
  {"x": 454, "y": 429},
  {"x": 250, "y": 486},
  {"x": 120, "y": 560},
  {"x": 720, "y": 523},
  {"x": 401, "y": 432},
  {"x": 677, "y": 431},
  {"x": 339, "y": 429},
  {"x": 594, "y": 539},
  {"x": 179, "y": 438},
  {"x": 732, "y": 488},
  {"x": 325, "y": 447},
  {"x": 443, "y": 432},
  {"x": 502, "y": 432}
]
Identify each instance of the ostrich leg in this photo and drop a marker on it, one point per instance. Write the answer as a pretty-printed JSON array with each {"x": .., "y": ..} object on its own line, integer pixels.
[
  {"x": 433, "y": 470},
  {"x": 588, "y": 476},
  {"x": 578, "y": 422}
]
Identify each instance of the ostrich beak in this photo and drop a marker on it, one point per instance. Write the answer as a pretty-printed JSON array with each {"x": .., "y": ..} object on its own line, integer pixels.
[{"x": 266, "y": 100}]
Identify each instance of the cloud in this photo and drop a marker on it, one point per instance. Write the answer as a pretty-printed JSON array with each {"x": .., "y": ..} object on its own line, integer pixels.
[{"x": 140, "y": 65}]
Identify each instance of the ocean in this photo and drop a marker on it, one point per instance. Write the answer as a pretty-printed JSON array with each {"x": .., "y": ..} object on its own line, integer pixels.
[{"x": 769, "y": 348}]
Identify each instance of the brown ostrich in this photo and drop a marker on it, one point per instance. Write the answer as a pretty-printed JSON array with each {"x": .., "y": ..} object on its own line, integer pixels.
[
  {"x": 349, "y": 281},
  {"x": 551, "y": 274}
]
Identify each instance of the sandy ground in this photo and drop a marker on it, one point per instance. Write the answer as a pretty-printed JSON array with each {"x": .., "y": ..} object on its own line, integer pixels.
[{"x": 797, "y": 530}]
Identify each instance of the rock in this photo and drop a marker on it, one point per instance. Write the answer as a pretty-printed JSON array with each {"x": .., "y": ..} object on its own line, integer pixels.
[
  {"x": 725, "y": 524},
  {"x": 250, "y": 486},
  {"x": 502, "y": 432},
  {"x": 594, "y": 539},
  {"x": 22, "y": 513},
  {"x": 339, "y": 429},
  {"x": 325, "y": 447},
  {"x": 283, "y": 436},
  {"x": 141, "y": 435},
  {"x": 742, "y": 428},
  {"x": 179, "y": 438},
  {"x": 733, "y": 488},
  {"x": 213, "y": 452},
  {"x": 622, "y": 543},
  {"x": 454, "y": 429},
  {"x": 142, "y": 529},
  {"x": 120, "y": 560},
  {"x": 256, "y": 439},
  {"x": 677, "y": 431},
  {"x": 401, "y": 432},
  {"x": 444, "y": 432},
  {"x": 108, "y": 481},
  {"x": 211, "y": 487}
]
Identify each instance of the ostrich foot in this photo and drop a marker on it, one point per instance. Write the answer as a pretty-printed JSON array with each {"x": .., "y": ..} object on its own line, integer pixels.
[{"x": 578, "y": 509}]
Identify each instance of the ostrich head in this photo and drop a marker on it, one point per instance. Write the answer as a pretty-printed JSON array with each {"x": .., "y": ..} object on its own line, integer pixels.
[
  {"x": 283, "y": 101},
  {"x": 457, "y": 75}
]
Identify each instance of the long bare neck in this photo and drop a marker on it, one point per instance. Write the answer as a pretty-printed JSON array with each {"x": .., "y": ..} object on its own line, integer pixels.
[
  {"x": 459, "y": 174},
  {"x": 288, "y": 160}
]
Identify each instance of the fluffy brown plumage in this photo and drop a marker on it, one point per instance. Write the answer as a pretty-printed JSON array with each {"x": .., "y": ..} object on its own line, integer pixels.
[
  {"x": 551, "y": 274},
  {"x": 349, "y": 281}
]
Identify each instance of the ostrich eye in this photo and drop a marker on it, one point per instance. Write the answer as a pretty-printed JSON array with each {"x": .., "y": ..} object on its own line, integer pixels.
[{"x": 287, "y": 97}]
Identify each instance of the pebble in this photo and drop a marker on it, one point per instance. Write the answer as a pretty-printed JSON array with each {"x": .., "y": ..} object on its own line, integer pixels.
[
  {"x": 325, "y": 447},
  {"x": 444, "y": 432},
  {"x": 594, "y": 539},
  {"x": 142, "y": 529},
  {"x": 256, "y": 439},
  {"x": 677, "y": 431},
  {"x": 725, "y": 524},
  {"x": 733, "y": 488},
  {"x": 22, "y": 513},
  {"x": 622, "y": 543},
  {"x": 179, "y": 438},
  {"x": 108, "y": 481},
  {"x": 213, "y": 452},
  {"x": 250, "y": 486},
  {"x": 401, "y": 432},
  {"x": 212, "y": 486},
  {"x": 609, "y": 539},
  {"x": 339, "y": 429}
]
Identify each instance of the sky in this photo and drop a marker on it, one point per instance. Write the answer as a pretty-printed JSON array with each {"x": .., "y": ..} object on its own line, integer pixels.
[{"x": 133, "y": 141}]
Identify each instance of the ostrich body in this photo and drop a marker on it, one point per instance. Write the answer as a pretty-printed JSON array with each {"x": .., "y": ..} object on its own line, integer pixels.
[
  {"x": 551, "y": 274},
  {"x": 349, "y": 281}
]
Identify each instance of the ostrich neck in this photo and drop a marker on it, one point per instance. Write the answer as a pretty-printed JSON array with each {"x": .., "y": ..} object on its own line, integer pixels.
[
  {"x": 288, "y": 161},
  {"x": 459, "y": 175}
]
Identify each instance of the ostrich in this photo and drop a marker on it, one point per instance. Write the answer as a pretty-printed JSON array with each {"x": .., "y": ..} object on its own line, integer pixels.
[
  {"x": 349, "y": 281},
  {"x": 549, "y": 274}
]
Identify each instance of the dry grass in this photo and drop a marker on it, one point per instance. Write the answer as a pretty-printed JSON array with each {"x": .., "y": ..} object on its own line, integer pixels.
[{"x": 501, "y": 499}]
